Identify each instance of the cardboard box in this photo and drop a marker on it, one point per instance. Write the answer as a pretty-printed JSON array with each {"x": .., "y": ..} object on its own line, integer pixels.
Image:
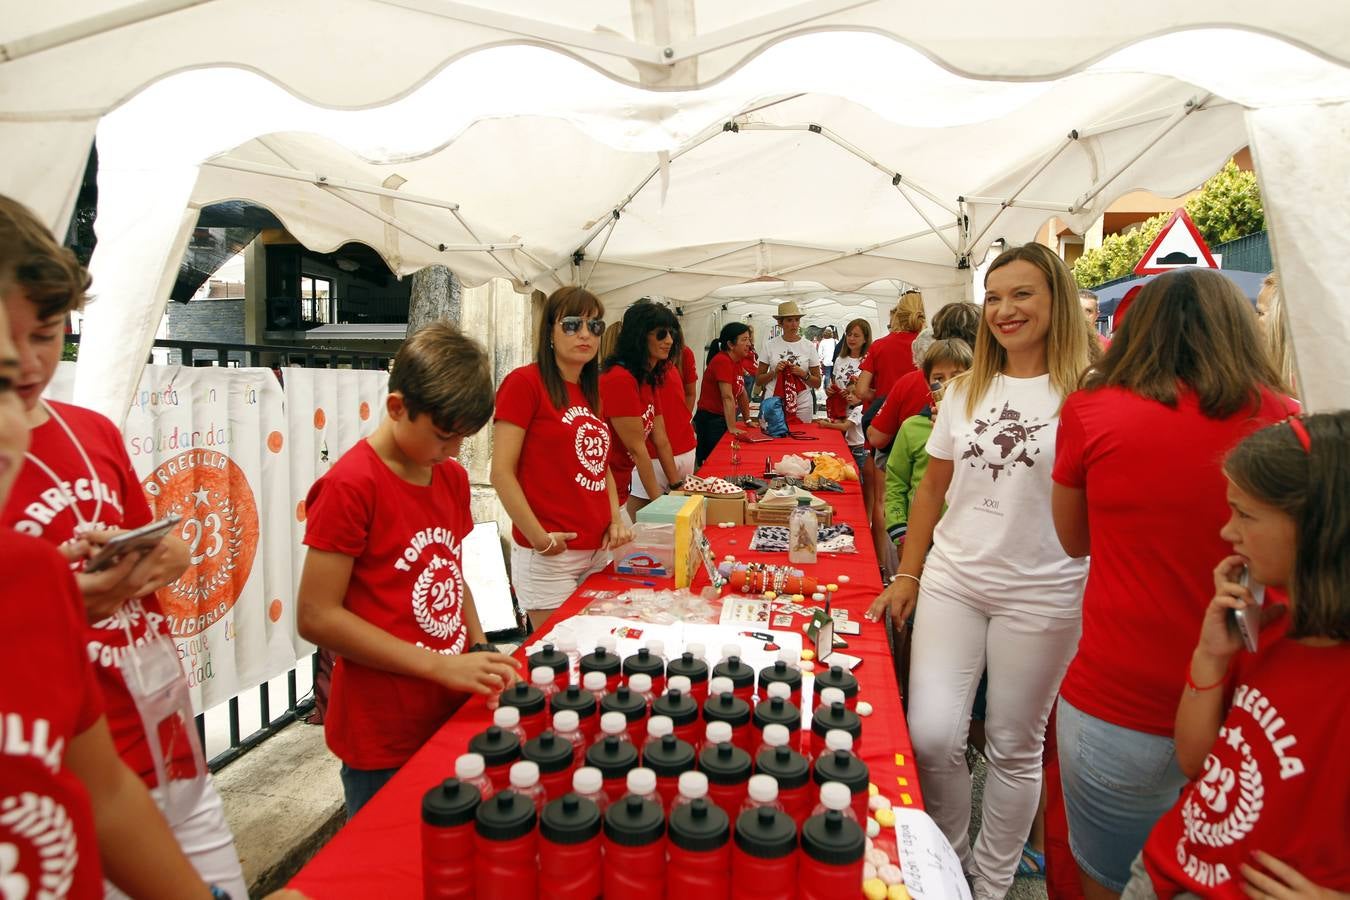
[
  {"x": 687, "y": 513},
  {"x": 755, "y": 514},
  {"x": 721, "y": 507}
]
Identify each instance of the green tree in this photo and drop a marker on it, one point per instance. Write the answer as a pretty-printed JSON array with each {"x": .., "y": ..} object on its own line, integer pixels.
[{"x": 1227, "y": 207}]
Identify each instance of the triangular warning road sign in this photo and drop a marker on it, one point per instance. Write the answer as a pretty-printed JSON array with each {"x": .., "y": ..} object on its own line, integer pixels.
[{"x": 1175, "y": 247}]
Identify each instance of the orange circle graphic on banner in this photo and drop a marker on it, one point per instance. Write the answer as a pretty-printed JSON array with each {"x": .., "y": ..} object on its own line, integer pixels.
[
  {"x": 219, "y": 525},
  {"x": 274, "y": 441},
  {"x": 300, "y": 511},
  {"x": 365, "y": 411},
  {"x": 274, "y": 610},
  {"x": 319, "y": 418}
]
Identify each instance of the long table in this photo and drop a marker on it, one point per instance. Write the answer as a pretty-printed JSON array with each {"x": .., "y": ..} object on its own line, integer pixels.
[{"x": 377, "y": 854}]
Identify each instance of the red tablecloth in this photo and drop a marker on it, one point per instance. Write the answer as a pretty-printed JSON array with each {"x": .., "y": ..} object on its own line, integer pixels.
[{"x": 377, "y": 854}]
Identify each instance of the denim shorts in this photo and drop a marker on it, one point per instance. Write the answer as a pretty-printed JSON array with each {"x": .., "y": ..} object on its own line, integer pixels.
[{"x": 1117, "y": 783}]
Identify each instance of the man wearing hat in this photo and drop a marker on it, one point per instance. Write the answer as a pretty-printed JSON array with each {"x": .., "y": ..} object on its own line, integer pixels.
[{"x": 790, "y": 365}]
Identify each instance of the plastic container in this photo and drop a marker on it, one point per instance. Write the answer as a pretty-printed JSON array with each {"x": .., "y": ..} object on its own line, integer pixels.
[
  {"x": 727, "y": 707},
  {"x": 834, "y": 716},
  {"x": 781, "y": 673},
  {"x": 567, "y": 645},
  {"x": 507, "y": 718},
  {"x": 544, "y": 679},
  {"x": 499, "y": 748},
  {"x": 728, "y": 769},
  {"x": 531, "y": 703},
  {"x": 841, "y": 679},
  {"x": 606, "y": 662},
  {"x": 568, "y": 727},
  {"x": 761, "y": 791},
  {"x": 589, "y": 782},
  {"x": 644, "y": 662},
  {"x": 679, "y": 705},
  {"x": 831, "y": 858},
  {"x": 615, "y": 758},
  {"x": 505, "y": 845},
  {"x": 551, "y": 657},
  {"x": 698, "y": 843},
  {"x": 842, "y": 766},
  {"x": 632, "y": 706},
  {"x": 742, "y": 676},
  {"x": 693, "y": 668},
  {"x": 776, "y": 711},
  {"x": 470, "y": 768},
  {"x": 569, "y": 848},
  {"x": 447, "y": 840},
  {"x": 635, "y": 849},
  {"x": 669, "y": 757},
  {"x": 582, "y": 702},
  {"x": 792, "y": 771},
  {"x": 525, "y": 783},
  {"x": 555, "y": 757},
  {"x": 764, "y": 856},
  {"x": 641, "y": 783},
  {"x": 803, "y": 533}
]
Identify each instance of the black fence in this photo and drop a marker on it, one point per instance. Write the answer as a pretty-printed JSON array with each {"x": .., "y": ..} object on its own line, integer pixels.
[{"x": 300, "y": 314}]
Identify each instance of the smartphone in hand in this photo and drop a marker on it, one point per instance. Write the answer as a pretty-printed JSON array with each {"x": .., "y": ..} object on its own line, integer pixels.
[
  {"x": 1247, "y": 622},
  {"x": 138, "y": 540}
]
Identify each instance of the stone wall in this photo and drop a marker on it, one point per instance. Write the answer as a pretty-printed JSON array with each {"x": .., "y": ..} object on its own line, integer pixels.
[{"x": 218, "y": 321}]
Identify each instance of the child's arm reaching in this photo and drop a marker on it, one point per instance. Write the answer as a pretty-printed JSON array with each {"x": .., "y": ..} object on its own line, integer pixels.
[{"x": 324, "y": 620}]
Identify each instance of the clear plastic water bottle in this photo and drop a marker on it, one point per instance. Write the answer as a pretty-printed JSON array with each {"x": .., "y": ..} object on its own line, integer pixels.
[
  {"x": 693, "y": 786},
  {"x": 717, "y": 733},
  {"x": 790, "y": 658},
  {"x": 803, "y": 532},
  {"x": 728, "y": 651},
  {"x": 542, "y": 678},
  {"x": 595, "y": 683},
  {"x": 762, "y": 791},
  {"x": 567, "y": 726},
  {"x": 836, "y": 739},
  {"x": 679, "y": 683},
  {"x": 778, "y": 689},
  {"x": 836, "y": 796},
  {"x": 525, "y": 781},
  {"x": 720, "y": 685},
  {"x": 614, "y": 724},
  {"x": 642, "y": 783},
  {"x": 641, "y": 684},
  {"x": 507, "y": 718},
  {"x": 589, "y": 782},
  {"x": 699, "y": 651},
  {"x": 608, "y": 642},
  {"x": 470, "y": 768},
  {"x": 567, "y": 643},
  {"x": 773, "y": 736},
  {"x": 657, "y": 648},
  {"x": 657, "y": 728}
]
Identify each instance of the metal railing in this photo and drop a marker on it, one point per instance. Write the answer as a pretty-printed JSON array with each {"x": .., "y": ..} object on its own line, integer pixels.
[{"x": 295, "y": 314}]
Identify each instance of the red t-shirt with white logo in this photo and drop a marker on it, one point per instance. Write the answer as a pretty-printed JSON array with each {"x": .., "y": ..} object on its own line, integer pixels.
[
  {"x": 722, "y": 370},
  {"x": 676, "y": 416},
  {"x": 750, "y": 364},
  {"x": 55, "y": 497},
  {"x": 407, "y": 579},
  {"x": 563, "y": 458},
  {"x": 620, "y": 396},
  {"x": 48, "y": 695},
  {"x": 909, "y": 396},
  {"x": 1275, "y": 779},
  {"x": 888, "y": 358},
  {"x": 1156, "y": 501}
]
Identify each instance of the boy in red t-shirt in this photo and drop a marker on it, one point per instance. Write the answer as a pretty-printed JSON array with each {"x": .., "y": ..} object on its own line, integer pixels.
[{"x": 389, "y": 598}]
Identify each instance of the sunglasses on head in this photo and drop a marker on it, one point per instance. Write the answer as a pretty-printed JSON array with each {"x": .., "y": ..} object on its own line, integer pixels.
[{"x": 572, "y": 324}]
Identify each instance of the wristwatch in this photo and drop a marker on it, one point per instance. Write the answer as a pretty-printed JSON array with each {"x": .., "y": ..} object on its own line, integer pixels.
[{"x": 483, "y": 648}]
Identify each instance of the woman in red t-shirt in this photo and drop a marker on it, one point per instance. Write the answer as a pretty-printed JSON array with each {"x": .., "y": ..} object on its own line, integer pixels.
[
  {"x": 557, "y": 487},
  {"x": 750, "y": 364},
  {"x": 1138, "y": 486},
  {"x": 1263, "y": 734},
  {"x": 723, "y": 391}
]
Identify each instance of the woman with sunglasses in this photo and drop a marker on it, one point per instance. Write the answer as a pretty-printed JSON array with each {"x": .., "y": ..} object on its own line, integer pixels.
[
  {"x": 557, "y": 487},
  {"x": 631, "y": 406}
]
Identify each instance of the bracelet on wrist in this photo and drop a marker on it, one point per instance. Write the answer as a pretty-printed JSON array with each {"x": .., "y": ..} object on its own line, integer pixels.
[
  {"x": 899, "y": 575},
  {"x": 1194, "y": 688}
]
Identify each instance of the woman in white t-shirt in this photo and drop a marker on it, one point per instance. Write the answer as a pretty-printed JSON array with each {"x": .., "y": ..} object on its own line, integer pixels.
[
  {"x": 790, "y": 365},
  {"x": 842, "y": 405},
  {"x": 997, "y": 592}
]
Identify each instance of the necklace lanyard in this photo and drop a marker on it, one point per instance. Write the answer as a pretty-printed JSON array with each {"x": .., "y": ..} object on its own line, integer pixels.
[{"x": 94, "y": 483}]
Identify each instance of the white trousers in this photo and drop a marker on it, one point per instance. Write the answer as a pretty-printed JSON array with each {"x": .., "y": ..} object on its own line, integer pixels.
[
  {"x": 684, "y": 465},
  {"x": 956, "y": 638},
  {"x": 545, "y": 582}
]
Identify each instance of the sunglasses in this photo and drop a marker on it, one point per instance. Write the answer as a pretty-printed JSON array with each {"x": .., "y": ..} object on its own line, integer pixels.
[
  {"x": 572, "y": 324},
  {"x": 661, "y": 333}
]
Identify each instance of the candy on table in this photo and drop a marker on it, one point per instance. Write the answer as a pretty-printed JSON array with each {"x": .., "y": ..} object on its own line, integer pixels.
[
  {"x": 897, "y": 892},
  {"x": 842, "y": 579},
  {"x": 878, "y": 802},
  {"x": 818, "y": 597},
  {"x": 876, "y": 857},
  {"x": 798, "y": 598},
  {"x": 808, "y": 666},
  {"x": 770, "y": 595},
  {"x": 831, "y": 587},
  {"x": 808, "y": 655},
  {"x": 874, "y": 889},
  {"x": 869, "y": 871},
  {"x": 885, "y": 818},
  {"x": 864, "y": 708},
  {"x": 873, "y": 828},
  {"x": 891, "y": 874},
  {"x": 872, "y": 789}
]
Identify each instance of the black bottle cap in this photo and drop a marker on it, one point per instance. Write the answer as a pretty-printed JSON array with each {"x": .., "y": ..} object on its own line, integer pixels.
[
  {"x": 690, "y": 666},
  {"x": 625, "y": 700},
  {"x": 525, "y": 697},
  {"x": 679, "y": 706},
  {"x": 644, "y": 662},
  {"x": 612, "y": 756},
  {"x": 780, "y": 671},
  {"x": 497, "y": 747},
  {"x": 740, "y": 674},
  {"x": 777, "y": 711},
  {"x": 724, "y": 763},
  {"x": 550, "y": 752},
  {"x": 571, "y": 819},
  {"x": 600, "y": 661},
  {"x": 505, "y": 816},
  {"x": 450, "y": 803},
  {"x": 577, "y": 699},
  {"x": 833, "y": 838},
  {"x": 669, "y": 756},
  {"x": 634, "y": 822},
  {"x": 699, "y": 826},
  {"x": 790, "y": 768},
  {"x": 837, "y": 677},
  {"x": 836, "y": 716},
  {"x": 549, "y": 657},
  {"x": 727, "y": 708},
  {"x": 766, "y": 833},
  {"x": 844, "y": 767}
]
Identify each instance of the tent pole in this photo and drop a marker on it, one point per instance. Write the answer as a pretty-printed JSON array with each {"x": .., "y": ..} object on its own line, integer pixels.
[
  {"x": 614, "y": 223},
  {"x": 326, "y": 181},
  {"x": 844, "y": 254},
  {"x": 518, "y": 276},
  {"x": 900, "y": 186},
  {"x": 1047, "y": 205},
  {"x": 1022, "y": 186},
  {"x": 665, "y": 270},
  {"x": 399, "y": 226},
  {"x": 1191, "y": 105},
  {"x": 92, "y": 27}
]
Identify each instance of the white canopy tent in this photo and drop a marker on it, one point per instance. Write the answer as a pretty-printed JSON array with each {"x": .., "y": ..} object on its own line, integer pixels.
[{"x": 671, "y": 148}]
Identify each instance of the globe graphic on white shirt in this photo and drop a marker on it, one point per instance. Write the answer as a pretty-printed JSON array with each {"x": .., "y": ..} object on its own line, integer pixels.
[{"x": 1002, "y": 442}]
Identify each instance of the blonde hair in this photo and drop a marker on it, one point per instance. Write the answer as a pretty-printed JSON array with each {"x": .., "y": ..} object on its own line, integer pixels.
[
  {"x": 1068, "y": 345},
  {"x": 908, "y": 314},
  {"x": 1275, "y": 328}
]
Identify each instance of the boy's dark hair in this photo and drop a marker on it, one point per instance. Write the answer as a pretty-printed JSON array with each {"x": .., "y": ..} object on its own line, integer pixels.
[
  {"x": 32, "y": 259},
  {"x": 630, "y": 351},
  {"x": 952, "y": 350},
  {"x": 730, "y": 334},
  {"x": 1312, "y": 487},
  {"x": 957, "y": 320},
  {"x": 1191, "y": 328},
  {"x": 567, "y": 301},
  {"x": 445, "y": 374}
]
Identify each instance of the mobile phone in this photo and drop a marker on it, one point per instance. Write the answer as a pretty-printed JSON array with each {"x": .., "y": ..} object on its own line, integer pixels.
[
  {"x": 1247, "y": 622},
  {"x": 142, "y": 539}
]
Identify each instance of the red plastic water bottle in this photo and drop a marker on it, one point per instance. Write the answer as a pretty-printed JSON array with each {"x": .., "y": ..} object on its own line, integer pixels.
[
  {"x": 605, "y": 661},
  {"x": 678, "y": 705},
  {"x": 531, "y": 702},
  {"x": 764, "y": 858},
  {"x": 742, "y": 676},
  {"x": 569, "y": 848},
  {"x": 842, "y": 766},
  {"x": 556, "y": 757},
  {"x": 470, "y": 768},
  {"x": 499, "y": 748},
  {"x": 632, "y": 706},
  {"x": 567, "y": 727},
  {"x": 635, "y": 849},
  {"x": 699, "y": 849},
  {"x": 781, "y": 672},
  {"x": 776, "y": 709},
  {"x": 831, "y": 863},
  {"x": 725, "y": 706},
  {"x": 525, "y": 783},
  {"x": 727, "y": 767},
  {"x": 695, "y": 669},
  {"x": 505, "y": 845},
  {"x": 447, "y": 840},
  {"x": 614, "y": 758},
  {"x": 668, "y": 757},
  {"x": 644, "y": 662},
  {"x": 842, "y": 680},
  {"x": 555, "y": 660},
  {"x": 833, "y": 715},
  {"x": 589, "y": 783},
  {"x": 791, "y": 770},
  {"x": 582, "y": 702}
]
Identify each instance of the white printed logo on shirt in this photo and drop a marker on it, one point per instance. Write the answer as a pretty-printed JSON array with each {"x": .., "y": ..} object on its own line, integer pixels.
[
  {"x": 438, "y": 592},
  {"x": 591, "y": 446},
  {"x": 36, "y": 825},
  {"x": 1004, "y": 441}
]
